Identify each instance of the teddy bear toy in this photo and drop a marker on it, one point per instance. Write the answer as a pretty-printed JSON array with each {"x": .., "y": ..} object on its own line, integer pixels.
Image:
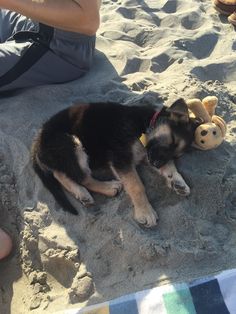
[{"x": 211, "y": 132}]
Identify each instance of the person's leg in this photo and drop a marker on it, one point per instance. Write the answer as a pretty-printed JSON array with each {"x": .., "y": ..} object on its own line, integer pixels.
[
  {"x": 28, "y": 63},
  {"x": 33, "y": 54},
  {"x": 5, "y": 244},
  {"x": 39, "y": 68}
]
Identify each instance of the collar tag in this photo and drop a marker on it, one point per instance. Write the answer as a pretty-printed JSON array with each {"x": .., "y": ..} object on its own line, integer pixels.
[{"x": 143, "y": 139}]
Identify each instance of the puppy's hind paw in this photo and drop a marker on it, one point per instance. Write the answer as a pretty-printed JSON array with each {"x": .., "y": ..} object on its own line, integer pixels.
[
  {"x": 85, "y": 197},
  {"x": 112, "y": 188},
  {"x": 82, "y": 194},
  {"x": 116, "y": 186},
  {"x": 87, "y": 201}
]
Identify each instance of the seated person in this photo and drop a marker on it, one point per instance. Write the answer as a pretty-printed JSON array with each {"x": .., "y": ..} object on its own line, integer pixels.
[{"x": 46, "y": 41}]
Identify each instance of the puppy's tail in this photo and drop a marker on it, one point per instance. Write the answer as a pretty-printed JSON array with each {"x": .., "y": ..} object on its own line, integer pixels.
[{"x": 55, "y": 188}]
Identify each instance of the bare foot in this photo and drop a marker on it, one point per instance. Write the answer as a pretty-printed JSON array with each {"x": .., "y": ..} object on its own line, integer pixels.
[{"x": 5, "y": 244}]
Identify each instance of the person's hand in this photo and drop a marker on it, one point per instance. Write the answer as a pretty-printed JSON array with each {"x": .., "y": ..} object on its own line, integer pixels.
[{"x": 80, "y": 16}]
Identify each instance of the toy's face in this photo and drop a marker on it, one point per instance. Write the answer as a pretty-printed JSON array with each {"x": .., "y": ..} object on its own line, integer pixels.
[{"x": 208, "y": 136}]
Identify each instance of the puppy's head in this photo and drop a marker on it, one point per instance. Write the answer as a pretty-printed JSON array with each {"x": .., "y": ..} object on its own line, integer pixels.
[{"x": 172, "y": 134}]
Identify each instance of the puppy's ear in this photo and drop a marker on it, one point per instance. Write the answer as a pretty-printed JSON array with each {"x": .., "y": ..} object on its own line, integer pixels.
[{"x": 179, "y": 111}]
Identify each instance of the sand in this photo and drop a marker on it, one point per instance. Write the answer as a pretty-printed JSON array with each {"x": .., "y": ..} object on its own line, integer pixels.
[{"x": 147, "y": 52}]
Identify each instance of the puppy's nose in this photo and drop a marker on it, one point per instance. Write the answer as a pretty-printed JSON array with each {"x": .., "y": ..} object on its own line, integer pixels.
[
  {"x": 152, "y": 157},
  {"x": 157, "y": 164}
]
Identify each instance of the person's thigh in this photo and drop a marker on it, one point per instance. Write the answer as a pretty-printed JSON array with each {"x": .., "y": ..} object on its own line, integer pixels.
[{"x": 27, "y": 64}]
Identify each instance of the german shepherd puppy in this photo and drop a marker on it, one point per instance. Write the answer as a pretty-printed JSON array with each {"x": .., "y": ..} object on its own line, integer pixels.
[{"x": 107, "y": 134}]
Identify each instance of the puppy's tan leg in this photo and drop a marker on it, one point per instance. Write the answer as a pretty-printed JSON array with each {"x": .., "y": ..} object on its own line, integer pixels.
[
  {"x": 143, "y": 211},
  {"x": 108, "y": 188},
  {"x": 78, "y": 191},
  {"x": 174, "y": 179}
]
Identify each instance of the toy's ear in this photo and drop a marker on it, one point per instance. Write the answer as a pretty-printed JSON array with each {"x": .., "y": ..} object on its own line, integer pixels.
[
  {"x": 196, "y": 106},
  {"x": 221, "y": 123},
  {"x": 179, "y": 111},
  {"x": 210, "y": 103}
]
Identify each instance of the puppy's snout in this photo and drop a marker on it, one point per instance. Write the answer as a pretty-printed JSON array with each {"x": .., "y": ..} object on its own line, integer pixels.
[
  {"x": 159, "y": 154},
  {"x": 154, "y": 155},
  {"x": 151, "y": 155},
  {"x": 158, "y": 164}
]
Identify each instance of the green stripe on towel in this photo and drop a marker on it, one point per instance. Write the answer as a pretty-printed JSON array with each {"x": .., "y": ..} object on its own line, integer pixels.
[{"x": 179, "y": 301}]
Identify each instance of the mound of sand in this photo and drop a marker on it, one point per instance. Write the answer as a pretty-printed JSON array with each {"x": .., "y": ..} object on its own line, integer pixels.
[{"x": 147, "y": 52}]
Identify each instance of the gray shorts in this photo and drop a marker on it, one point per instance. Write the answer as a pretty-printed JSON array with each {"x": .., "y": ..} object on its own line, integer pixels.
[{"x": 33, "y": 54}]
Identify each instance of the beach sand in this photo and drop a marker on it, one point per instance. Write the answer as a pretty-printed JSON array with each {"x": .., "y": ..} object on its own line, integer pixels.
[{"x": 147, "y": 52}]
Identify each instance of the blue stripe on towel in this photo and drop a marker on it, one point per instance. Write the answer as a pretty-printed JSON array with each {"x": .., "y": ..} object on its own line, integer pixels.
[
  {"x": 207, "y": 298},
  {"x": 124, "y": 305}
]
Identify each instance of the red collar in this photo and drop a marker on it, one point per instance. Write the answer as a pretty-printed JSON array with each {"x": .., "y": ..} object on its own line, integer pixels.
[
  {"x": 143, "y": 137},
  {"x": 154, "y": 119}
]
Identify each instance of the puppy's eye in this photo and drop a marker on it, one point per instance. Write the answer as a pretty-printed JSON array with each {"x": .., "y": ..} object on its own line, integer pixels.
[
  {"x": 214, "y": 132},
  {"x": 202, "y": 141}
]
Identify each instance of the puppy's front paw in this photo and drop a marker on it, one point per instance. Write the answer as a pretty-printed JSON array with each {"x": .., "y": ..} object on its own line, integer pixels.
[
  {"x": 180, "y": 188},
  {"x": 146, "y": 217},
  {"x": 177, "y": 183}
]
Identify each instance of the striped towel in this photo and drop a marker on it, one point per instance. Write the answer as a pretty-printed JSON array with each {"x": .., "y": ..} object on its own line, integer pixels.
[{"x": 212, "y": 295}]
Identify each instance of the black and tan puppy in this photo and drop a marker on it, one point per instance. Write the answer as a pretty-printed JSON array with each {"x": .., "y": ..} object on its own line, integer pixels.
[{"x": 104, "y": 134}]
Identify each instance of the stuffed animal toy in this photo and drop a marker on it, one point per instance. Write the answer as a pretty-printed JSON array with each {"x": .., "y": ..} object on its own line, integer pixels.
[{"x": 211, "y": 132}]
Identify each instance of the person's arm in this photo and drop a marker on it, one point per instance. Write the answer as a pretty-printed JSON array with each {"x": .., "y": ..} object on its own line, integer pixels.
[{"x": 80, "y": 16}]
